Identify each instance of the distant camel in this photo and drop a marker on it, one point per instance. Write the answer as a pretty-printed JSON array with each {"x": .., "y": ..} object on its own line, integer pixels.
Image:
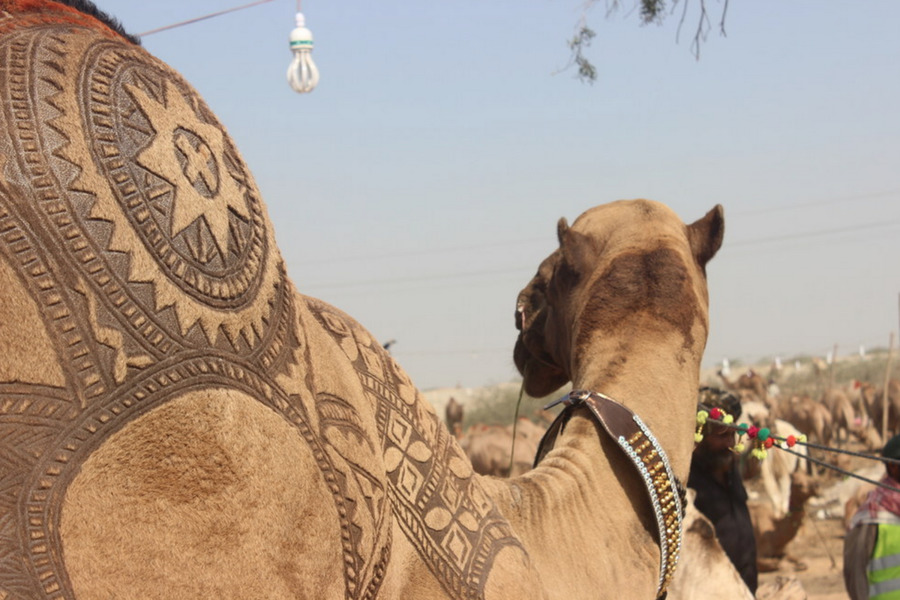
[
  {"x": 750, "y": 385},
  {"x": 844, "y": 419},
  {"x": 774, "y": 533},
  {"x": 453, "y": 417},
  {"x": 489, "y": 447},
  {"x": 778, "y": 469},
  {"x": 809, "y": 416},
  {"x": 877, "y": 408}
]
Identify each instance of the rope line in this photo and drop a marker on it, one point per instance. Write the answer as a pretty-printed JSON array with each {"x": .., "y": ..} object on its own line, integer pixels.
[
  {"x": 512, "y": 450},
  {"x": 841, "y": 470},
  {"x": 883, "y": 459}
]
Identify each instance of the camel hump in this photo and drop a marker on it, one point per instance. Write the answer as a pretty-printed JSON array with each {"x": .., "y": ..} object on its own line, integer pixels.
[{"x": 125, "y": 203}]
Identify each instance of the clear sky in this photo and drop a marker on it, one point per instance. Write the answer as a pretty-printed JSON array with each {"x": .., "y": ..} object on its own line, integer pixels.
[{"x": 418, "y": 187}]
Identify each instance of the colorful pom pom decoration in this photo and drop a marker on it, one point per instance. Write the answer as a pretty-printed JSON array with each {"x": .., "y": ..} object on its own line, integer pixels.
[{"x": 762, "y": 437}]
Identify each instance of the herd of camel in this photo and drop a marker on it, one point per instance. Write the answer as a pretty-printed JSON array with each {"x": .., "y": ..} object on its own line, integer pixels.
[{"x": 178, "y": 421}]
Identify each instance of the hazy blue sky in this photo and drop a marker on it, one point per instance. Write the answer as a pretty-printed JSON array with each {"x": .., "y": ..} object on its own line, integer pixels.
[{"x": 418, "y": 187}]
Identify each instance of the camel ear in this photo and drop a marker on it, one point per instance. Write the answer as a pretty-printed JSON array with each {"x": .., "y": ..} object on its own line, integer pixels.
[
  {"x": 562, "y": 226},
  {"x": 705, "y": 235}
]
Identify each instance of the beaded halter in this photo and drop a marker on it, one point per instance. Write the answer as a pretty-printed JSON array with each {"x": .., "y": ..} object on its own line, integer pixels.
[{"x": 666, "y": 493}]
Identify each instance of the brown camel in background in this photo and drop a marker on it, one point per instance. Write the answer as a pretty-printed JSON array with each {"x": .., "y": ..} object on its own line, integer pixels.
[
  {"x": 774, "y": 533},
  {"x": 876, "y": 408},
  {"x": 843, "y": 418},
  {"x": 809, "y": 416},
  {"x": 489, "y": 447},
  {"x": 750, "y": 386},
  {"x": 178, "y": 421},
  {"x": 453, "y": 417}
]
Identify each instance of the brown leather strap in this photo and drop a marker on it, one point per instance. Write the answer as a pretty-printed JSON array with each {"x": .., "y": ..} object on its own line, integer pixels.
[
  {"x": 637, "y": 441},
  {"x": 548, "y": 440}
]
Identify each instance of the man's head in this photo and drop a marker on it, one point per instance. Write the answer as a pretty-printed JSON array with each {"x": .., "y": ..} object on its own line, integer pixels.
[
  {"x": 713, "y": 397},
  {"x": 718, "y": 440}
]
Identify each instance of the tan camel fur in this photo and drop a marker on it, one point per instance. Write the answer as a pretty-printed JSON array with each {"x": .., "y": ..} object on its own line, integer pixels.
[{"x": 177, "y": 422}]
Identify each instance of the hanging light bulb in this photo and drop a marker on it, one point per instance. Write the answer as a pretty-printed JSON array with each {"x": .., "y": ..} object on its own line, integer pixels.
[{"x": 302, "y": 74}]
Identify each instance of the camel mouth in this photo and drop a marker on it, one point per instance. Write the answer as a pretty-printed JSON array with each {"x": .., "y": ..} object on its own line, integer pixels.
[{"x": 540, "y": 377}]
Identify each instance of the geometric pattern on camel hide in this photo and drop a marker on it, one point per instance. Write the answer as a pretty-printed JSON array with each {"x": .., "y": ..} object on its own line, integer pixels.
[{"x": 139, "y": 272}]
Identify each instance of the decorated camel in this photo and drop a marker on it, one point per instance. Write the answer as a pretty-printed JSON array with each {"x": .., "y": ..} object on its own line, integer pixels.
[{"x": 177, "y": 421}]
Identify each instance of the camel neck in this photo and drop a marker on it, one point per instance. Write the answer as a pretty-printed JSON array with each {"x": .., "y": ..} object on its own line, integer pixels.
[{"x": 586, "y": 493}]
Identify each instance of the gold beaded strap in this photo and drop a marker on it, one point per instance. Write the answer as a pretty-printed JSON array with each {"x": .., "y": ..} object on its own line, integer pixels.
[{"x": 648, "y": 457}]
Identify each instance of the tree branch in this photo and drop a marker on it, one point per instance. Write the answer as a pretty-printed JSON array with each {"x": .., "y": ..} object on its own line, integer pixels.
[{"x": 651, "y": 11}]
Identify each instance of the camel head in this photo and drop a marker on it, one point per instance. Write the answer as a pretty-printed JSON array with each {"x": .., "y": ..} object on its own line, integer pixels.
[
  {"x": 627, "y": 260},
  {"x": 803, "y": 487}
]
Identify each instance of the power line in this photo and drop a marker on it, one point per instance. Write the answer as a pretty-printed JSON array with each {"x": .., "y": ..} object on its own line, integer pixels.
[
  {"x": 520, "y": 241},
  {"x": 412, "y": 279},
  {"x": 839, "y": 200},
  {"x": 425, "y": 252},
  {"x": 203, "y": 18},
  {"x": 511, "y": 271},
  {"x": 809, "y": 234}
]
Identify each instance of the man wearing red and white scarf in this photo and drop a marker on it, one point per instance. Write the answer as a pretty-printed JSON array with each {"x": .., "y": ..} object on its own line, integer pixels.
[{"x": 872, "y": 543}]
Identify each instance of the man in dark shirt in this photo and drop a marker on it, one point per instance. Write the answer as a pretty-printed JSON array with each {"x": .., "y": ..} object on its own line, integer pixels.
[{"x": 721, "y": 496}]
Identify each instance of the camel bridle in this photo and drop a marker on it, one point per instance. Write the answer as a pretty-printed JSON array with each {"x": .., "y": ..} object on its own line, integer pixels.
[{"x": 667, "y": 494}]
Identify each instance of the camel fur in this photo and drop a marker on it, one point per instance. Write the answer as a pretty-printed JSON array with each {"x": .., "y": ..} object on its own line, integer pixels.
[{"x": 178, "y": 421}]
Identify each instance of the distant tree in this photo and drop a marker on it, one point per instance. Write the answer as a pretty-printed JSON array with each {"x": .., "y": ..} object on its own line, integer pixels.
[{"x": 651, "y": 11}]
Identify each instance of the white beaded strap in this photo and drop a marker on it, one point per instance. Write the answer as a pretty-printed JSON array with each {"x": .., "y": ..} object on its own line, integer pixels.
[{"x": 652, "y": 463}]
